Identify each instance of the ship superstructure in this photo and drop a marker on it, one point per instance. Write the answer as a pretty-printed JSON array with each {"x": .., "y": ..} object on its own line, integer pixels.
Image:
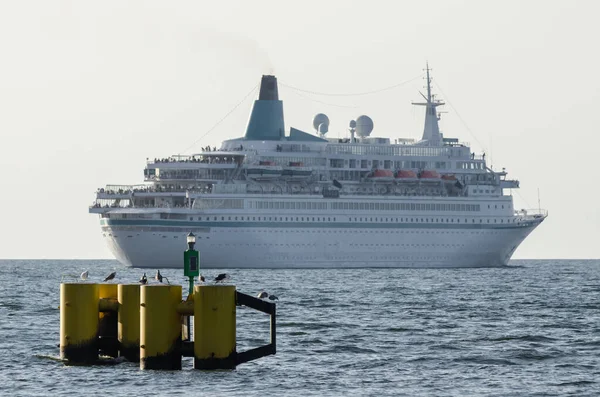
[{"x": 271, "y": 199}]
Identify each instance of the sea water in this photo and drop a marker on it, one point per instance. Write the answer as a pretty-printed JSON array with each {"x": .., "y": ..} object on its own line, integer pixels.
[{"x": 531, "y": 329}]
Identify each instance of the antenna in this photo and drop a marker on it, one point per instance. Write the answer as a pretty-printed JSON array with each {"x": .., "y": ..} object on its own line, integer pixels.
[
  {"x": 539, "y": 203},
  {"x": 491, "y": 150},
  {"x": 428, "y": 83}
]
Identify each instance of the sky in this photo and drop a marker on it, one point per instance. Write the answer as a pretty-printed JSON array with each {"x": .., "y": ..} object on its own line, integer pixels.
[{"x": 89, "y": 90}]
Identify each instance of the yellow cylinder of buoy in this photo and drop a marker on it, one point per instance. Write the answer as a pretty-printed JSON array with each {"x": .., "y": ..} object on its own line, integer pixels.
[
  {"x": 214, "y": 327},
  {"x": 107, "y": 325},
  {"x": 160, "y": 327},
  {"x": 128, "y": 331},
  {"x": 79, "y": 322}
]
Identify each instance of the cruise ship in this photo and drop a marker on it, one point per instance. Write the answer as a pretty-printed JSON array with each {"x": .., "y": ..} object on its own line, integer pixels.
[{"x": 295, "y": 199}]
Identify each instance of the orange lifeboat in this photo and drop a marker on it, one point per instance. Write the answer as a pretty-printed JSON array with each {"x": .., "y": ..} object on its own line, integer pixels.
[
  {"x": 406, "y": 174},
  {"x": 266, "y": 162},
  {"x": 449, "y": 177},
  {"x": 381, "y": 175},
  {"x": 429, "y": 174}
]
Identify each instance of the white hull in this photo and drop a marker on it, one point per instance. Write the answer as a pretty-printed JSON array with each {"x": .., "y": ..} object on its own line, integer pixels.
[{"x": 227, "y": 247}]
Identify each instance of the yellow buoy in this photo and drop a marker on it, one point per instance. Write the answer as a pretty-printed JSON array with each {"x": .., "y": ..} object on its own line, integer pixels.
[
  {"x": 214, "y": 327},
  {"x": 129, "y": 321},
  {"x": 160, "y": 327},
  {"x": 79, "y": 322}
]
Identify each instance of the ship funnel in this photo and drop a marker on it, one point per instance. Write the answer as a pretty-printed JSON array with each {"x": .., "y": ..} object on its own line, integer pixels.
[
  {"x": 268, "y": 89},
  {"x": 266, "y": 118}
]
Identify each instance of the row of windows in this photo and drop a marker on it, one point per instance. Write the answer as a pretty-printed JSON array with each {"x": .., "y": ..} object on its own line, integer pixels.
[
  {"x": 395, "y": 150},
  {"x": 288, "y": 205},
  {"x": 108, "y": 232},
  {"x": 405, "y": 207},
  {"x": 306, "y": 161},
  {"x": 218, "y": 203},
  {"x": 326, "y": 219},
  {"x": 313, "y": 205}
]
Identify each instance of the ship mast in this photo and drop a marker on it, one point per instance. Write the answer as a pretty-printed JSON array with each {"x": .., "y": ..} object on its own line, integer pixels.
[{"x": 431, "y": 131}]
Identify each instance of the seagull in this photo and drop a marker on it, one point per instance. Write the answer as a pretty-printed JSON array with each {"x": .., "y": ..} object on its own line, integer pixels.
[
  {"x": 110, "y": 276},
  {"x": 159, "y": 277},
  {"x": 221, "y": 277},
  {"x": 273, "y": 298},
  {"x": 202, "y": 278},
  {"x": 84, "y": 275},
  {"x": 262, "y": 295},
  {"x": 144, "y": 279}
]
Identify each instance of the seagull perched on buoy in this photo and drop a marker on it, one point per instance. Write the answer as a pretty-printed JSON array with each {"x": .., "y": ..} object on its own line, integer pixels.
[
  {"x": 110, "y": 276},
  {"x": 262, "y": 295},
  {"x": 84, "y": 275},
  {"x": 144, "y": 279},
  {"x": 159, "y": 277},
  {"x": 221, "y": 277},
  {"x": 273, "y": 298}
]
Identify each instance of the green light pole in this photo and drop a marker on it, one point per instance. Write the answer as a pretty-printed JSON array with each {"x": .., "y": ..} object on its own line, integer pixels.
[{"x": 191, "y": 261}]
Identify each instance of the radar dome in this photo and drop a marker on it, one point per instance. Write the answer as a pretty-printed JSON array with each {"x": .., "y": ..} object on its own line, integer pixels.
[
  {"x": 320, "y": 118},
  {"x": 352, "y": 123},
  {"x": 323, "y": 128},
  {"x": 364, "y": 126}
]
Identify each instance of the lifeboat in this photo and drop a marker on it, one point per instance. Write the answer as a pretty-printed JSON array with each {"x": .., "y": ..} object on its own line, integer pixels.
[
  {"x": 406, "y": 176},
  {"x": 296, "y": 170},
  {"x": 265, "y": 169},
  {"x": 429, "y": 174},
  {"x": 381, "y": 175},
  {"x": 449, "y": 177}
]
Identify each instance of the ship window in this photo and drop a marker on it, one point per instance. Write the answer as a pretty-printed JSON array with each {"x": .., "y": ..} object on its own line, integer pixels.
[
  {"x": 222, "y": 218},
  {"x": 192, "y": 218},
  {"x": 236, "y": 218}
]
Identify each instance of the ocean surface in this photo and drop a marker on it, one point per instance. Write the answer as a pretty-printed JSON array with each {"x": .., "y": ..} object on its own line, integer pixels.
[{"x": 532, "y": 329}]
